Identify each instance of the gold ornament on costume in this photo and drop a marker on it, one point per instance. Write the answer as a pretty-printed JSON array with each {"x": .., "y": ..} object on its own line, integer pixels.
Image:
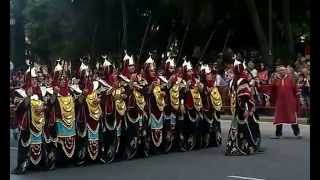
[
  {"x": 120, "y": 103},
  {"x": 67, "y": 110},
  {"x": 197, "y": 101},
  {"x": 233, "y": 102},
  {"x": 140, "y": 101},
  {"x": 216, "y": 99},
  {"x": 94, "y": 106},
  {"x": 159, "y": 98},
  {"x": 37, "y": 114},
  {"x": 174, "y": 97}
]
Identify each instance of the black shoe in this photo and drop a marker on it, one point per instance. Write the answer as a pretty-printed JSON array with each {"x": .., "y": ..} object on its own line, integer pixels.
[
  {"x": 18, "y": 171},
  {"x": 298, "y": 136},
  {"x": 260, "y": 150},
  {"x": 80, "y": 163}
]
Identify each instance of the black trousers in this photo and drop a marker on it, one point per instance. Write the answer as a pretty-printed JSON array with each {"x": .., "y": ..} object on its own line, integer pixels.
[{"x": 295, "y": 128}]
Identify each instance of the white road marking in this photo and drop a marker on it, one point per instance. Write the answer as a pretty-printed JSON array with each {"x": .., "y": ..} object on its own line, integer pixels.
[
  {"x": 241, "y": 177},
  {"x": 13, "y": 148}
]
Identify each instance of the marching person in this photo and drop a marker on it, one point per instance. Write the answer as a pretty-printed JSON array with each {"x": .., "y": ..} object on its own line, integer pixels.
[
  {"x": 212, "y": 104},
  {"x": 88, "y": 113},
  {"x": 244, "y": 134},
  {"x": 193, "y": 105},
  {"x": 61, "y": 127},
  {"x": 155, "y": 104},
  {"x": 284, "y": 96},
  {"x": 30, "y": 116}
]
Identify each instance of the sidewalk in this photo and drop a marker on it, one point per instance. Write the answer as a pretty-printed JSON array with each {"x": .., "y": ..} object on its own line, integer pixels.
[{"x": 266, "y": 119}]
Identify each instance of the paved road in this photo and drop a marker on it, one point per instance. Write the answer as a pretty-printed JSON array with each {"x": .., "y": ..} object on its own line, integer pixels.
[{"x": 285, "y": 159}]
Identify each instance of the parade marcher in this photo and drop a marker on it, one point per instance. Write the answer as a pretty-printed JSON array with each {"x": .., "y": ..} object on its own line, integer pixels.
[
  {"x": 30, "y": 116},
  {"x": 284, "y": 95},
  {"x": 61, "y": 128},
  {"x": 136, "y": 115},
  {"x": 244, "y": 134},
  {"x": 88, "y": 115},
  {"x": 171, "y": 109},
  {"x": 210, "y": 127},
  {"x": 154, "y": 95},
  {"x": 109, "y": 131},
  {"x": 193, "y": 106}
]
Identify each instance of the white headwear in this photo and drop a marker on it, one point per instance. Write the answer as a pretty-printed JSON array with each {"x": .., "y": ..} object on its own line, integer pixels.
[
  {"x": 207, "y": 69},
  {"x": 58, "y": 66},
  {"x": 83, "y": 67},
  {"x": 131, "y": 61},
  {"x": 149, "y": 60},
  {"x": 184, "y": 61},
  {"x": 106, "y": 63},
  {"x": 33, "y": 72},
  {"x": 236, "y": 62},
  {"x": 171, "y": 62},
  {"x": 126, "y": 56},
  {"x": 11, "y": 65},
  {"x": 188, "y": 65}
]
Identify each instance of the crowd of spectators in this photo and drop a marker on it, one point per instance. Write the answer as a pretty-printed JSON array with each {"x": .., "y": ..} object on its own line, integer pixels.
[{"x": 263, "y": 76}]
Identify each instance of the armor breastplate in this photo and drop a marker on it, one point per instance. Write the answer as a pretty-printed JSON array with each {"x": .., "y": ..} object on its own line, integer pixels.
[
  {"x": 119, "y": 102},
  {"x": 93, "y": 106},
  {"x": 159, "y": 98},
  {"x": 216, "y": 99},
  {"x": 37, "y": 114},
  {"x": 197, "y": 102},
  {"x": 174, "y": 97},
  {"x": 67, "y": 110},
  {"x": 140, "y": 101}
]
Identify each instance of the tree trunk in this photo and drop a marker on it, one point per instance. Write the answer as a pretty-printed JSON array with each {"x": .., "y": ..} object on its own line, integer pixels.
[
  {"x": 258, "y": 30},
  {"x": 124, "y": 21},
  {"x": 288, "y": 28},
  {"x": 19, "y": 34}
]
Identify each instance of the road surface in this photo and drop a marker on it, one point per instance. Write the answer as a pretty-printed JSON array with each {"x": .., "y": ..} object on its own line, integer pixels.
[{"x": 284, "y": 159}]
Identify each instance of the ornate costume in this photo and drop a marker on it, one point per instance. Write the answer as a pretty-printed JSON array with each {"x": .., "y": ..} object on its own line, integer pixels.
[
  {"x": 155, "y": 103},
  {"x": 61, "y": 127},
  {"x": 193, "y": 106},
  {"x": 88, "y": 117},
  {"x": 210, "y": 127},
  {"x": 244, "y": 134},
  {"x": 30, "y": 116}
]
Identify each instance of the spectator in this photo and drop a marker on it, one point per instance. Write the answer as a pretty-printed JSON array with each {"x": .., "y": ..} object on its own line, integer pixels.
[
  {"x": 284, "y": 93},
  {"x": 252, "y": 69},
  {"x": 263, "y": 74}
]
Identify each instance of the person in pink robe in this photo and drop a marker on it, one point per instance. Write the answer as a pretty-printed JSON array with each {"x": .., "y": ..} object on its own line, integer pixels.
[{"x": 284, "y": 95}]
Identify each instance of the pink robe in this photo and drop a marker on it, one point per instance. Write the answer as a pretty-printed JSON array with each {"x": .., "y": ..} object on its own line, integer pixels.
[{"x": 284, "y": 94}]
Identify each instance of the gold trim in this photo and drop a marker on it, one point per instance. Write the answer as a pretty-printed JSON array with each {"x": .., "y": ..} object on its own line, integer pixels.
[
  {"x": 94, "y": 106},
  {"x": 197, "y": 101},
  {"x": 67, "y": 110},
  {"x": 233, "y": 103},
  {"x": 119, "y": 102},
  {"x": 37, "y": 114},
  {"x": 140, "y": 101},
  {"x": 174, "y": 97},
  {"x": 216, "y": 99},
  {"x": 159, "y": 98}
]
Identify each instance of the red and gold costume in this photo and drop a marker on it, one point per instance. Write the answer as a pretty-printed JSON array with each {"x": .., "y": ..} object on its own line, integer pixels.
[
  {"x": 212, "y": 104},
  {"x": 30, "y": 116},
  {"x": 155, "y": 103},
  {"x": 193, "y": 106},
  {"x": 61, "y": 126},
  {"x": 88, "y": 116},
  {"x": 244, "y": 134}
]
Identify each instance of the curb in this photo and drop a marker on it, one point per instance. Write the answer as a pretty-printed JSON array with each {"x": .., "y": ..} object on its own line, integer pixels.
[{"x": 266, "y": 119}]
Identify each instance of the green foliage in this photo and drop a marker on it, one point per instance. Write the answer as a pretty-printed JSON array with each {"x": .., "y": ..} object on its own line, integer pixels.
[{"x": 73, "y": 29}]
